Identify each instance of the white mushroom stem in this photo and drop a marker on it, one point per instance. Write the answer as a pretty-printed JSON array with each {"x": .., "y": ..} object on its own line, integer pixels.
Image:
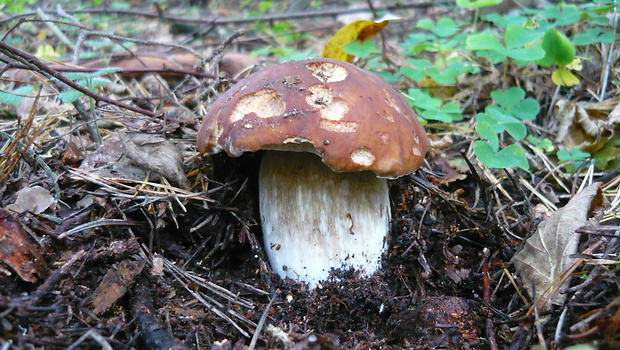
[{"x": 315, "y": 219}]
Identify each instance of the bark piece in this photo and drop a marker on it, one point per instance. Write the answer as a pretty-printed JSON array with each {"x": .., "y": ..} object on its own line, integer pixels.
[
  {"x": 115, "y": 284},
  {"x": 18, "y": 251}
]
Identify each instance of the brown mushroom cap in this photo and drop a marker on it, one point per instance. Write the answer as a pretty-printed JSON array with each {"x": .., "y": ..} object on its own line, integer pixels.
[{"x": 352, "y": 118}]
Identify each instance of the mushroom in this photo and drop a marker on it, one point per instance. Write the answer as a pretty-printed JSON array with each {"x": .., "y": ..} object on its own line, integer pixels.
[{"x": 332, "y": 134}]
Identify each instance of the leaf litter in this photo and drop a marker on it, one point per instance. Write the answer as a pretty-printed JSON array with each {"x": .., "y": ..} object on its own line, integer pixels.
[
  {"x": 138, "y": 241},
  {"x": 550, "y": 250}
]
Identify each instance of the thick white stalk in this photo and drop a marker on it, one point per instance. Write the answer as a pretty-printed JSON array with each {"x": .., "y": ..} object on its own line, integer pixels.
[{"x": 314, "y": 219}]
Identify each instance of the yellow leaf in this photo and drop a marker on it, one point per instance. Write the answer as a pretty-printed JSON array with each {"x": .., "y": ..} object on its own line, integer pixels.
[
  {"x": 358, "y": 30},
  {"x": 564, "y": 77},
  {"x": 46, "y": 51},
  {"x": 575, "y": 65}
]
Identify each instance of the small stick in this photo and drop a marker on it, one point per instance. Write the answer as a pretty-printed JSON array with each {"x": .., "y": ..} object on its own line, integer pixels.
[
  {"x": 261, "y": 323},
  {"x": 486, "y": 296},
  {"x": 225, "y": 21},
  {"x": 35, "y": 64}
]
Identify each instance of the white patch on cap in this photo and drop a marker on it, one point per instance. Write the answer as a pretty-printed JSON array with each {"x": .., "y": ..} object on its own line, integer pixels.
[
  {"x": 362, "y": 156},
  {"x": 335, "y": 110},
  {"x": 385, "y": 137},
  {"x": 319, "y": 95},
  {"x": 416, "y": 150},
  {"x": 266, "y": 103},
  {"x": 391, "y": 101},
  {"x": 327, "y": 72},
  {"x": 321, "y": 98},
  {"x": 338, "y": 126}
]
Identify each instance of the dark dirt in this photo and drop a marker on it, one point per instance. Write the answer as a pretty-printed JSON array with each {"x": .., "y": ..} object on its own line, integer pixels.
[{"x": 444, "y": 283}]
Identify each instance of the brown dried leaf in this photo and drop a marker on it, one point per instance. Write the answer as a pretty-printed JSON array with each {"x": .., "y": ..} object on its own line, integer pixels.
[
  {"x": 235, "y": 63},
  {"x": 35, "y": 199},
  {"x": 72, "y": 154},
  {"x": 153, "y": 152},
  {"x": 548, "y": 252},
  {"x": 18, "y": 251},
  {"x": 134, "y": 64},
  {"x": 109, "y": 152},
  {"x": 585, "y": 125},
  {"x": 115, "y": 284},
  {"x": 614, "y": 116},
  {"x": 109, "y": 160},
  {"x": 138, "y": 62}
]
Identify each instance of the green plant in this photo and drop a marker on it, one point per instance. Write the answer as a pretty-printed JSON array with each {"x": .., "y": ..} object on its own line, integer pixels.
[
  {"x": 511, "y": 108},
  {"x": 285, "y": 39},
  {"x": 362, "y": 49},
  {"x": 89, "y": 80},
  {"x": 15, "y": 6},
  {"x": 544, "y": 144},
  {"x": 607, "y": 158},
  {"x": 432, "y": 108},
  {"x": 282, "y": 35},
  {"x": 515, "y": 45},
  {"x": 534, "y": 38},
  {"x": 574, "y": 156},
  {"x": 477, "y": 3},
  {"x": 14, "y": 96}
]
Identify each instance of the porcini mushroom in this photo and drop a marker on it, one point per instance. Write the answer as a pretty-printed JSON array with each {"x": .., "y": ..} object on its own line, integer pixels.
[{"x": 332, "y": 133}]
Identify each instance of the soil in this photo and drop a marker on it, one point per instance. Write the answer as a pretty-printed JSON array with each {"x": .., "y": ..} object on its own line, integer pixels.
[{"x": 122, "y": 264}]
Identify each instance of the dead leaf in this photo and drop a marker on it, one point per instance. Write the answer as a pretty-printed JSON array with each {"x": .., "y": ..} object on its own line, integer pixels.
[
  {"x": 358, "y": 30},
  {"x": 135, "y": 63},
  {"x": 155, "y": 153},
  {"x": 138, "y": 62},
  {"x": 445, "y": 173},
  {"x": 115, "y": 284},
  {"x": 109, "y": 160},
  {"x": 155, "y": 85},
  {"x": 178, "y": 118},
  {"x": 236, "y": 63},
  {"x": 564, "y": 77},
  {"x": 614, "y": 116},
  {"x": 72, "y": 154},
  {"x": 44, "y": 106},
  {"x": 135, "y": 154},
  {"x": 587, "y": 126},
  {"x": 35, "y": 199},
  {"x": 17, "y": 250},
  {"x": 158, "y": 266},
  {"x": 548, "y": 252}
]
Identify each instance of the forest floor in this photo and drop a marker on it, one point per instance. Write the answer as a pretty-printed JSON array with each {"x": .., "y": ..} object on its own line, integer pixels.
[{"x": 117, "y": 234}]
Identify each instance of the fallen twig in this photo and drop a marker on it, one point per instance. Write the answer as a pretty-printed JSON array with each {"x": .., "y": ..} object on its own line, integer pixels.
[
  {"x": 261, "y": 323},
  {"x": 35, "y": 64},
  {"x": 224, "y": 21}
]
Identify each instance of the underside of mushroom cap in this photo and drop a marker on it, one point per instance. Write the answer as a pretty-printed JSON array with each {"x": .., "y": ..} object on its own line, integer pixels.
[{"x": 352, "y": 118}]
